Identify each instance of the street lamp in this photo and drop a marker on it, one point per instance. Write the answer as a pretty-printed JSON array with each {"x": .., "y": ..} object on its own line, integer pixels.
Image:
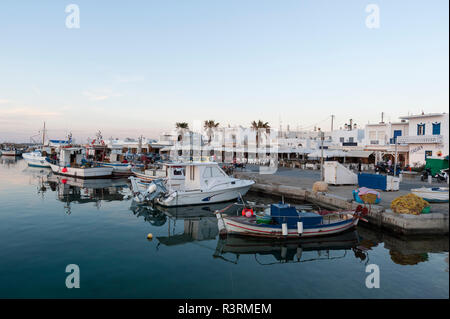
[{"x": 322, "y": 137}]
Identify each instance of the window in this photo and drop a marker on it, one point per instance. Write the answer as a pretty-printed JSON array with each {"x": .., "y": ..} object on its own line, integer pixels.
[
  {"x": 191, "y": 172},
  {"x": 341, "y": 139},
  {"x": 350, "y": 139},
  {"x": 436, "y": 128},
  {"x": 215, "y": 172},
  {"x": 396, "y": 134},
  {"x": 178, "y": 171},
  {"x": 207, "y": 172},
  {"x": 428, "y": 153},
  {"x": 421, "y": 129}
]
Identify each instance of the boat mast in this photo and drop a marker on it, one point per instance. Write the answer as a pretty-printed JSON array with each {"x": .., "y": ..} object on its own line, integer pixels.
[{"x": 43, "y": 135}]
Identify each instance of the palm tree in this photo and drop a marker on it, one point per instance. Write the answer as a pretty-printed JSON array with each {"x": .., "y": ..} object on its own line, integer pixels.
[
  {"x": 182, "y": 125},
  {"x": 209, "y": 127},
  {"x": 258, "y": 126}
]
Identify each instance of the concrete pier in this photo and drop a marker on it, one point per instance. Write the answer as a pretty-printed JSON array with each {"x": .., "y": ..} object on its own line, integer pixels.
[{"x": 298, "y": 187}]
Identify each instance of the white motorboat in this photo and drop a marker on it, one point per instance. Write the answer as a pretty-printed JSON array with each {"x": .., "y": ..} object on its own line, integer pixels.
[
  {"x": 36, "y": 159},
  {"x": 204, "y": 183},
  {"x": 432, "y": 194},
  {"x": 72, "y": 163}
]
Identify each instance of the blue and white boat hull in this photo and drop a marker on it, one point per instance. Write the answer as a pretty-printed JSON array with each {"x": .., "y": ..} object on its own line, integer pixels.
[
  {"x": 433, "y": 194},
  {"x": 35, "y": 159},
  {"x": 248, "y": 227}
]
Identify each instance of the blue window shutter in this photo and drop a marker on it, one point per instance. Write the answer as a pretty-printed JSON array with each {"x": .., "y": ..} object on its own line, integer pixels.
[{"x": 436, "y": 128}]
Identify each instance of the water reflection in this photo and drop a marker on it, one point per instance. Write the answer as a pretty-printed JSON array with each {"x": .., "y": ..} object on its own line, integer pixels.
[
  {"x": 406, "y": 250},
  {"x": 8, "y": 161},
  {"x": 231, "y": 248},
  {"x": 81, "y": 191},
  {"x": 199, "y": 224},
  {"x": 149, "y": 214}
]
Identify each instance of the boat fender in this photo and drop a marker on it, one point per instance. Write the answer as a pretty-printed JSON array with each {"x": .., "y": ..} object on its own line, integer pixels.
[
  {"x": 64, "y": 170},
  {"x": 248, "y": 212},
  {"x": 284, "y": 229},
  {"x": 300, "y": 228}
]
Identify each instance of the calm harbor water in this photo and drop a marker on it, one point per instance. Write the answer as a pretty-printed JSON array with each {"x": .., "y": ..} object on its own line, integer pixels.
[{"x": 47, "y": 223}]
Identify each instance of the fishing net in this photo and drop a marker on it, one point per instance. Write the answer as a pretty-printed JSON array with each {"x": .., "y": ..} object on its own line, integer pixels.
[
  {"x": 368, "y": 198},
  {"x": 409, "y": 204}
]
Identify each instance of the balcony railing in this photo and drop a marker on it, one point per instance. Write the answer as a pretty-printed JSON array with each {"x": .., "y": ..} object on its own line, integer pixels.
[{"x": 420, "y": 139}]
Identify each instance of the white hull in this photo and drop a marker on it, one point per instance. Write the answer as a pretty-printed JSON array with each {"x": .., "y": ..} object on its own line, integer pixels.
[
  {"x": 117, "y": 167},
  {"x": 10, "y": 153},
  {"x": 182, "y": 198},
  {"x": 90, "y": 172},
  {"x": 440, "y": 194},
  {"x": 234, "y": 226},
  {"x": 34, "y": 160}
]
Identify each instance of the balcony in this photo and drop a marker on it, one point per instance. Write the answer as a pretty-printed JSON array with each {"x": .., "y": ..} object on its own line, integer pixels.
[{"x": 420, "y": 139}]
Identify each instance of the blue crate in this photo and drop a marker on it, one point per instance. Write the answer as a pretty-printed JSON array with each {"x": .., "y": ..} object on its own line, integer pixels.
[{"x": 373, "y": 181}]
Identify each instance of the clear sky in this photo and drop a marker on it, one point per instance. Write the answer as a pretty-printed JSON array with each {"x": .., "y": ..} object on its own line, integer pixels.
[{"x": 137, "y": 67}]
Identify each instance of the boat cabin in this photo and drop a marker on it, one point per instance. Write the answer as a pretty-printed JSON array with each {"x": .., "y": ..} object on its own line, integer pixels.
[
  {"x": 201, "y": 176},
  {"x": 285, "y": 213},
  {"x": 71, "y": 156}
]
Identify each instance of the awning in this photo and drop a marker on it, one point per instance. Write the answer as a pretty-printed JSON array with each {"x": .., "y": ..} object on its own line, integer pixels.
[{"x": 363, "y": 154}]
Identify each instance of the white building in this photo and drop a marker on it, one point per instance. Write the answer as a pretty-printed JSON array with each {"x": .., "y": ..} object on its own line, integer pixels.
[
  {"x": 427, "y": 136},
  {"x": 348, "y": 138},
  {"x": 381, "y": 137}
]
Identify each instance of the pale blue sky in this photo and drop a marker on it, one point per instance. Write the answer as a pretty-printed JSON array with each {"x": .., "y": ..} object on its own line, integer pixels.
[{"x": 140, "y": 66}]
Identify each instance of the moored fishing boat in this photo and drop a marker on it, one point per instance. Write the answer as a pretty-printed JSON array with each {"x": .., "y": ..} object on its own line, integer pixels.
[
  {"x": 432, "y": 194},
  {"x": 287, "y": 222},
  {"x": 72, "y": 163},
  {"x": 11, "y": 152},
  {"x": 36, "y": 159}
]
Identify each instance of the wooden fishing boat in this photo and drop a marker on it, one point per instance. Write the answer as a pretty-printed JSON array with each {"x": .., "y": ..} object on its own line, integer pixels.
[
  {"x": 82, "y": 172},
  {"x": 72, "y": 163},
  {"x": 432, "y": 194},
  {"x": 288, "y": 222}
]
